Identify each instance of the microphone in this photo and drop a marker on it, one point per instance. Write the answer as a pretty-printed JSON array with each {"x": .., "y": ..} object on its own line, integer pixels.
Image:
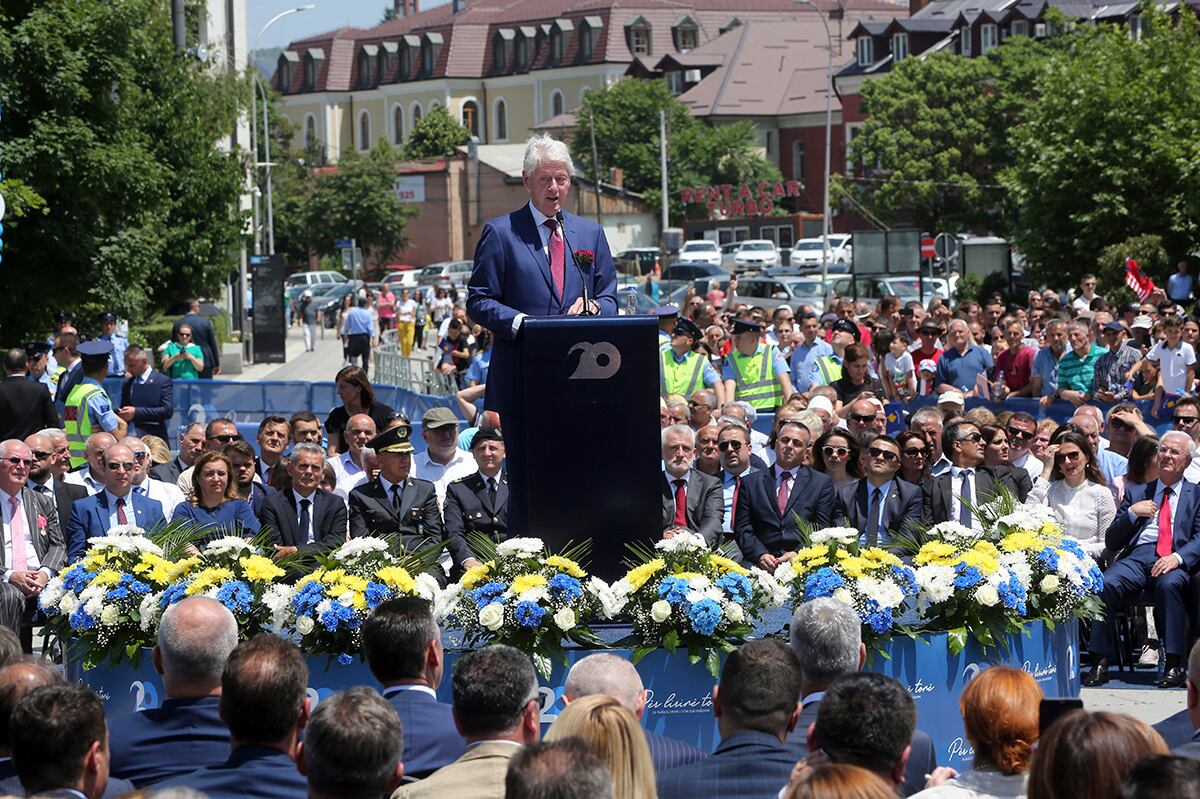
[{"x": 587, "y": 300}]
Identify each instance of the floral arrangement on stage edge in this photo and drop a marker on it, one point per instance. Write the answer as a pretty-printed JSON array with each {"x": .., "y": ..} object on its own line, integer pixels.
[
  {"x": 682, "y": 595},
  {"x": 873, "y": 581},
  {"x": 524, "y": 597}
]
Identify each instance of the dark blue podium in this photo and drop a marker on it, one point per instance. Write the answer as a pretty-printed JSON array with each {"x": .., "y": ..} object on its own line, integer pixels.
[{"x": 593, "y": 452}]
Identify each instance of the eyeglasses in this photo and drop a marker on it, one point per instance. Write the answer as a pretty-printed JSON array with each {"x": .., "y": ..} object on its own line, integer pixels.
[
  {"x": 1117, "y": 424},
  {"x": 41, "y": 456},
  {"x": 841, "y": 452},
  {"x": 1024, "y": 435},
  {"x": 15, "y": 461},
  {"x": 914, "y": 452},
  {"x": 733, "y": 445},
  {"x": 116, "y": 466},
  {"x": 1072, "y": 456},
  {"x": 139, "y": 456},
  {"x": 863, "y": 418},
  {"x": 886, "y": 454},
  {"x": 975, "y": 437},
  {"x": 225, "y": 439},
  {"x": 1185, "y": 420}
]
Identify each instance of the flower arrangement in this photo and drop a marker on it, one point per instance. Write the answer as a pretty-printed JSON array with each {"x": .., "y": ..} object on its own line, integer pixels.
[
  {"x": 873, "y": 581},
  {"x": 523, "y": 597},
  {"x": 682, "y": 595}
]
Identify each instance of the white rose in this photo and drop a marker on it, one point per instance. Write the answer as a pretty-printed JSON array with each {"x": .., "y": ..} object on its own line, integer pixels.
[
  {"x": 68, "y": 603},
  {"x": 733, "y": 612},
  {"x": 304, "y": 625},
  {"x": 987, "y": 595},
  {"x": 660, "y": 611},
  {"x": 1049, "y": 584},
  {"x": 565, "y": 619},
  {"x": 492, "y": 616},
  {"x": 109, "y": 615},
  {"x": 844, "y": 596}
]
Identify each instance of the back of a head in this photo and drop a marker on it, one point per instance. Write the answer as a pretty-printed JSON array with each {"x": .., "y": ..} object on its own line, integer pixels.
[
  {"x": 1000, "y": 713},
  {"x": 760, "y": 686},
  {"x": 1163, "y": 777},
  {"x": 608, "y": 674},
  {"x": 52, "y": 728},
  {"x": 10, "y": 647},
  {"x": 1089, "y": 755},
  {"x": 613, "y": 732},
  {"x": 866, "y": 719},
  {"x": 562, "y": 769},
  {"x": 352, "y": 745},
  {"x": 396, "y": 636},
  {"x": 841, "y": 781},
  {"x": 263, "y": 689},
  {"x": 195, "y": 637},
  {"x": 491, "y": 688},
  {"x": 826, "y": 636},
  {"x": 17, "y": 679}
]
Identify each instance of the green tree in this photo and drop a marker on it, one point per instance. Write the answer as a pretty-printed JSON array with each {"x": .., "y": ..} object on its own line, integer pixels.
[
  {"x": 125, "y": 200},
  {"x": 1150, "y": 256},
  {"x": 435, "y": 135}
]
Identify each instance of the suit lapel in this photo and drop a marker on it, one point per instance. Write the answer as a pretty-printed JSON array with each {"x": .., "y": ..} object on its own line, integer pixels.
[
  {"x": 693, "y": 497},
  {"x": 533, "y": 240},
  {"x": 572, "y": 280},
  {"x": 291, "y": 524},
  {"x": 409, "y": 498},
  {"x": 1185, "y": 512},
  {"x": 891, "y": 505},
  {"x": 799, "y": 485}
]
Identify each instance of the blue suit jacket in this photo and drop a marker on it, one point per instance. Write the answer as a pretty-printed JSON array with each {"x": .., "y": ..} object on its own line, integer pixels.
[
  {"x": 668, "y": 753},
  {"x": 901, "y": 506},
  {"x": 430, "y": 738},
  {"x": 89, "y": 518},
  {"x": 10, "y": 783},
  {"x": 746, "y": 765},
  {"x": 153, "y": 403},
  {"x": 512, "y": 275},
  {"x": 257, "y": 772},
  {"x": 758, "y": 526},
  {"x": 155, "y": 745},
  {"x": 1122, "y": 534}
]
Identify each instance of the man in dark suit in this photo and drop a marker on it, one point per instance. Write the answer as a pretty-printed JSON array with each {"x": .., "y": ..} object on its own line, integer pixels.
[
  {"x": 116, "y": 504},
  {"x": 303, "y": 517},
  {"x": 614, "y": 676},
  {"x": 66, "y": 353},
  {"x": 692, "y": 501},
  {"x": 770, "y": 502},
  {"x": 733, "y": 442},
  {"x": 25, "y": 405},
  {"x": 203, "y": 336},
  {"x": 1190, "y": 747},
  {"x": 951, "y": 495},
  {"x": 878, "y": 504},
  {"x": 41, "y": 479},
  {"x": 31, "y": 547},
  {"x": 245, "y": 475},
  {"x": 147, "y": 398},
  {"x": 478, "y": 503},
  {"x": 756, "y": 708},
  {"x": 264, "y": 703},
  {"x": 191, "y": 447},
  {"x": 394, "y": 502},
  {"x": 1156, "y": 535},
  {"x": 403, "y": 648},
  {"x": 524, "y": 266},
  {"x": 195, "y": 637},
  {"x": 826, "y": 636}
]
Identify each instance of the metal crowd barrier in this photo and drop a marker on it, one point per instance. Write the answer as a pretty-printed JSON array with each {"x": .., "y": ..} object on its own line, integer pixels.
[{"x": 389, "y": 367}]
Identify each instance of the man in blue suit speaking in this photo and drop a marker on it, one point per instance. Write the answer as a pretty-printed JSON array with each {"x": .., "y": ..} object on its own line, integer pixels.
[{"x": 528, "y": 263}]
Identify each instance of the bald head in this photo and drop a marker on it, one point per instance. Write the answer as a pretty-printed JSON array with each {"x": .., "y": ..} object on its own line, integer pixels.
[
  {"x": 96, "y": 445},
  {"x": 17, "y": 679},
  {"x": 195, "y": 638},
  {"x": 609, "y": 675},
  {"x": 360, "y": 429},
  {"x": 44, "y": 459}
]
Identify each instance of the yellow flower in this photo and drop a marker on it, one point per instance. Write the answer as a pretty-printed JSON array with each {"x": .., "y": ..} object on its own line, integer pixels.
[
  {"x": 565, "y": 565},
  {"x": 1021, "y": 542},
  {"x": 348, "y": 582},
  {"x": 880, "y": 557},
  {"x": 637, "y": 577},
  {"x": 723, "y": 565},
  {"x": 986, "y": 548},
  {"x": 475, "y": 575},
  {"x": 854, "y": 567},
  {"x": 107, "y": 577},
  {"x": 207, "y": 578},
  {"x": 334, "y": 576},
  {"x": 95, "y": 561},
  {"x": 842, "y": 554},
  {"x": 182, "y": 568},
  {"x": 812, "y": 553},
  {"x": 935, "y": 552},
  {"x": 155, "y": 569},
  {"x": 315, "y": 577},
  {"x": 523, "y": 582},
  {"x": 398, "y": 579},
  {"x": 686, "y": 575},
  {"x": 260, "y": 569},
  {"x": 985, "y": 563}
]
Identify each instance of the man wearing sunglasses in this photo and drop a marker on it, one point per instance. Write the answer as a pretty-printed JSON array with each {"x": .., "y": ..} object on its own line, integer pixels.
[
  {"x": 1186, "y": 419},
  {"x": 219, "y": 434},
  {"x": 116, "y": 505},
  {"x": 1022, "y": 427},
  {"x": 878, "y": 504},
  {"x": 866, "y": 415},
  {"x": 953, "y": 495},
  {"x": 42, "y": 480},
  {"x": 32, "y": 548},
  {"x": 733, "y": 443}
]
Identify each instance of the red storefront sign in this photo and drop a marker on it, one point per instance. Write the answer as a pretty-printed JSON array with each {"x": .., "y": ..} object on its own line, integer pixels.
[{"x": 729, "y": 200}]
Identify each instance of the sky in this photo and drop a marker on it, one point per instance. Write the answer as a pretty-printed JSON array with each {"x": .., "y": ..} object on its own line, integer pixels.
[{"x": 328, "y": 14}]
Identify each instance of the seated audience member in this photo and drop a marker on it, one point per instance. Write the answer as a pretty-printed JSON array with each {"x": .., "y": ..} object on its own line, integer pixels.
[
  {"x": 43, "y": 480},
  {"x": 868, "y": 720},
  {"x": 1000, "y": 715},
  {"x": 403, "y": 648},
  {"x": 856, "y": 378},
  {"x": 215, "y": 504},
  {"x": 306, "y": 428},
  {"x": 914, "y": 457},
  {"x": 1163, "y": 777},
  {"x": 186, "y": 732},
  {"x": 91, "y": 476},
  {"x": 274, "y": 435},
  {"x": 358, "y": 399},
  {"x": 563, "y": 769},
  {"x": 756, "y": 707},
  {"x": 1021, "y": 428},
  {"x": 167, "y": 494},
  {"x": 478, "y": 503},
  {"x": 496, "y": 710},
  {"x": 692, "y": 501},
  {"x": 614, "y": 676},
  {"x": 218, "y": 434},
  {"x": 838, "y": 781},
  {"x": 244, "y": 477},
  {"x": 303, "y": 517},
  {"x": 837, "y": 454},
  {"x": 62, "y": 748},
  {"x": 32, "y": 547},
  {"x": 352, "y": 747},
  {"x": 395, "y": 502},
  {"x": 1089, "y": 755},
  {"x": 880, "y": 504},
  {"x": 116, "y": 504},
  {"x": 826, "y": 636},
  {"x": 264, "y": 702},
  {"x": 350, "y": 465},
  {"x": 191, "y": 444},
  {"x": 615, "y": 735},
  {"x": 1072, "y": 485},
  {"x": 967, "y": 479}
]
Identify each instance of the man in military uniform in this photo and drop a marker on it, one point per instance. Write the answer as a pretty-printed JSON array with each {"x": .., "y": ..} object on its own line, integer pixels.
[
  {"x": 683, "y": 370},
  {"x": 755, "y": 372},
  {"x": 108, "y": 332},
  {"x": 478, "y": 503},
  {"x": 88, "y": 409}
]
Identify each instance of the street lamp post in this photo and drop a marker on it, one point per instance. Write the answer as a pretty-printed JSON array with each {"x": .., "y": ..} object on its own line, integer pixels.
[{"x": 828, "y": 143}]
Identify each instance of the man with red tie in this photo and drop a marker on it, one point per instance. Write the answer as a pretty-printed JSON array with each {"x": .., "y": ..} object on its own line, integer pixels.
[
  {"x": 1157, "y": 535},
  {"x": 692, "y": 500}
]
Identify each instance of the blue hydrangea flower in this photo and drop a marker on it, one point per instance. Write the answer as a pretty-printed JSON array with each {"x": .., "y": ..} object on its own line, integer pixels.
[
  {"x": 1072, "y": 546},
  {"x": 736, "y": 586},
  {"x": 1095, "y": 579},
  {"x": 338, "y": 615},
  {"x": 173, "y": 594},
  {"x": 877, "y": 618},
  {"x": 344, "y": 659},
  {"x": 564, "y": 586},
  {"x": 236, "y": 596},
  {"x": 968, "y": 577},
  {"x": 81, "y": 619},
  {"x": 120, "y": 592},
  {"x": 704, "y": 616},
  {"x": 1013, "y": 594},
  {"x": 77, "y": 578},
  {"x": 308, "y": 597},
  {"x": 529, "y": 614},
  {"x": 1048, "y": 558},
  {"x": 487, "y": 594},
  {"x": 376, "y": 594},
  {"x": 674, "y": 590},
  {"x": 822, "y": 582}
]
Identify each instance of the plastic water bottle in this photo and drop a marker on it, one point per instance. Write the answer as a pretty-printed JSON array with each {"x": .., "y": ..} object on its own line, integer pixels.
[
  {"x": 631, "y": 308},
  {"x": 998, "y": 386}
]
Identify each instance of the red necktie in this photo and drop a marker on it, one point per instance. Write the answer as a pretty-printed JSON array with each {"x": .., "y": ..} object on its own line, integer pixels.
[
  {"x": 783, "y": 490},
  {"x": 681, "y": 503},
  {"x": 121, "y": 517},
  {"x": 1165, "y": 534},
  {"x": 737, "y": 483},
  {"x": 557, "y": 261}
]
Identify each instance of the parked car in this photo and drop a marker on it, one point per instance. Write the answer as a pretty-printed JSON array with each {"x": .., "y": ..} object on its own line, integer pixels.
[
  {"x": 401, "y": 277},
  {"x": 329, "y": 302},
  {"x": 756, "y": 254},
  {"x": 637, "y": 261},
  {"x": 906, "y": 288},
  {"x": 456, "y": 272},
  {"x": 728, "y": 251},
  {"x": 324, "y": 277},
  {"x": 771, "y": 292},
  {"x": 701, "y": 250},
  {"x": 806, "y": 253}
]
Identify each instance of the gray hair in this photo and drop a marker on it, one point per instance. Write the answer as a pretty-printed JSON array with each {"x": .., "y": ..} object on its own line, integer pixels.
[
  {"x": 826, "y": 636},
  {"x": 195, "y": 638},
  {"x": 709, "y": 397},
  {"x": 352, "y": 744},
  {"x": 1191, "y": 445},
  {"x": 55, "y": 433},
  {"x": 311, "y": 449},
  {"x": 810, "y": 419},
  {"x": 680, "y": 429},
  {"x": 541, "y": 148},
  {"x": 927, "y": 413},
  {"x": 608, "y": 674},
  {"x": 674, "y": 406},
  {"x": 1080, "y": 325},
  {"x": 751, "y": 412}
]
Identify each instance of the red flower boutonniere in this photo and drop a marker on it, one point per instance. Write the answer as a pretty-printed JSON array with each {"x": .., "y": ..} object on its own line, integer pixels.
[
  {"x": 585, "y": 257},
  {"x": 42, "y": 522}
]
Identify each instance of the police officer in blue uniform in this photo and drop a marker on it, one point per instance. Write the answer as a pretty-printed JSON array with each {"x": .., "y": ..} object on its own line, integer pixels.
[
  {"x": 108, "y": 332},
  {"x": 478, "y": 503}
]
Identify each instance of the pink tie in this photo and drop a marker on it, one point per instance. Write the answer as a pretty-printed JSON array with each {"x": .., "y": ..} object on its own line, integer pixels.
[
  {"x": 1162, "y": 547},
  {"x": 783, "y": 490},
  {"x": 557, "y": 260},
  {"x": 17, "y": 528},
  {"x": 121, "y": 517}
]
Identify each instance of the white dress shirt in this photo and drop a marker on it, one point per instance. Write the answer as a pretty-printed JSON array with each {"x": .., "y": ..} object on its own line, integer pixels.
[
  {"x": 83, "y": 477},
  {"x": 167, "y": 494},
  {"x": 441, "y": 475},
  {"x": 349, "y": 475},
  {"x": 307, "y": 534},
  {"x": 31, "y": 555},
  {"x": 112, "y": 498},
  {"x": 1149, "y": 532},
  {"x": 956, "y": 490}
]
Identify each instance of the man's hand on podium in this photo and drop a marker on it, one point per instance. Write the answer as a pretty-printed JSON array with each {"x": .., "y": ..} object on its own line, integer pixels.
[{"x": 577, "y": 308}]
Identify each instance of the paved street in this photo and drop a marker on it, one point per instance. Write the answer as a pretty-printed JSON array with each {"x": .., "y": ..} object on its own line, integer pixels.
[{"x": 323, "y": 364}]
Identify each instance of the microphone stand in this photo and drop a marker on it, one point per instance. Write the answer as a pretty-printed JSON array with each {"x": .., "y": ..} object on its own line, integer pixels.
[{"x": 587, "y": 299}]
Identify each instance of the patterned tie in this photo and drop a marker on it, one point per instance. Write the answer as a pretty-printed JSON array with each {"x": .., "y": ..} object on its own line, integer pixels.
[
  {"x": 557, "y": 259},
  {"x": 491, "y": 488},
  {"x": 873, "y": 516},
  {"x": 17, "y": 528},
  {"x": 964, "y": 498},
  {"x": 1165, "y": 535},
  {"x": 121, "y": 517},
  {"x": 305, "y": 519},
  {"x": 782, "y": 496},
  {"x": 396, "y": 494},
  {"x": 680, "y": 503}
]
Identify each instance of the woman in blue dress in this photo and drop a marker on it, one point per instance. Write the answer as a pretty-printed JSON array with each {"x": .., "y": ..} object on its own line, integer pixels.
[{"x": 215, "y": 505}]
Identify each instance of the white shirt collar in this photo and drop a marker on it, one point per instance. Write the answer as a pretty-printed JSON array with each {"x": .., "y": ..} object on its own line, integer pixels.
[
  {"x": 399, "y": 689},
  {"x": 144, "y": 376},
  {"x": 958, "y": 470},
  {"x": 539, "y": 218}
]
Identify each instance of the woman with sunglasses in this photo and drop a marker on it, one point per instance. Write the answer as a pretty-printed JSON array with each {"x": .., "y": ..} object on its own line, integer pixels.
[
  {"x": 914, "y": 457},
  {"x": 182, "y": 358},
  {"x": 1073, "y": 486},
  {"x": 837, "y": 454},
  {"x": 215, "y": 505}
]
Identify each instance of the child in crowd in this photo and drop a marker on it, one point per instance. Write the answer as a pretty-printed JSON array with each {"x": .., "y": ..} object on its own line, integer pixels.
[
  {"x": 926, "y": 384},
  {"x": 898, "y": 367},
  {"x": 1176, "y": 363}
]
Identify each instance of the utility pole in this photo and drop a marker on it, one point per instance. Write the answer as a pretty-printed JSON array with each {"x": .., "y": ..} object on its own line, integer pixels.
[
  {"x": 177, "y": 24},
  {"x": 595, "y": 167},
  {"x": 662, "y": 159}
]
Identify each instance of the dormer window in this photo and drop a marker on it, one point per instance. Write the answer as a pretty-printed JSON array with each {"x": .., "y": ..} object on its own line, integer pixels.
[
  {"x": 522, "y": 53},
  {"x": 899, "y": 46},
  {"x": 686, "y": 34},
  {"x": 989, "y": 38},
  {"x": 587, "y": 38},
  {"x": 637, "y": 36},
  {"x": 285, "y": 71},
  {"x": 431, "y": 47},
  {"x": 385, "y": 61},
  {"x": 364, "y": 67},
  {"x": 556, "y": 46},
  {"x": 964, "y": 40},
  {"x": 1020, "y": 27},
  {"x": 866, "y": 51},
  {"x": 502, "y": 49},
  {"x": 408, "y": 50},
  {"x": 312, "y": 68}
]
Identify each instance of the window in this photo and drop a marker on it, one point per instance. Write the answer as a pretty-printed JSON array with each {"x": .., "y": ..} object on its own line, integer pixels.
[
  {"x": 310, "y": 132},
  {"x": 522, "y": 53},
  {"x": 415, "y": 113},
  {"x": 784, "y": 236},
  {"x": 556, "y": 46},
  {"x": 499, "y": 53},
  {"x": 470, "y": 117},
  {"x": 500, "y": 120},
  {"x": 798, "y": 161},
  {"x": 686, "y": 34},
  {"x": 406, "y": 62},
  {"x": 851, "y": 132},
  {"x": 1135, "y": 27},
  {"x": 1020, "y": 27},
  {"x": 397, "y": 125},
  {"x": 988, "y": 38},
  {"x": 364, "y": 69},
  {"x": 964, "y": 40},
  {"x": 674, "y": 80},
  {"x": 383, "y": 68},
  {"x": 865, "y": 50},
  {"x": 899, "y": 46},
  {"x": 585, "y": 42},
  {"x": 310, "y": 74},
  {"x": 284, "y": 74},
  {"x": 364, "y": 131},
  {"x": 431, "y": 47},
  {"x": 770, "y": 142},
  {"x": 556, "y": 103},
  {"x": 638, "y": 33}
]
